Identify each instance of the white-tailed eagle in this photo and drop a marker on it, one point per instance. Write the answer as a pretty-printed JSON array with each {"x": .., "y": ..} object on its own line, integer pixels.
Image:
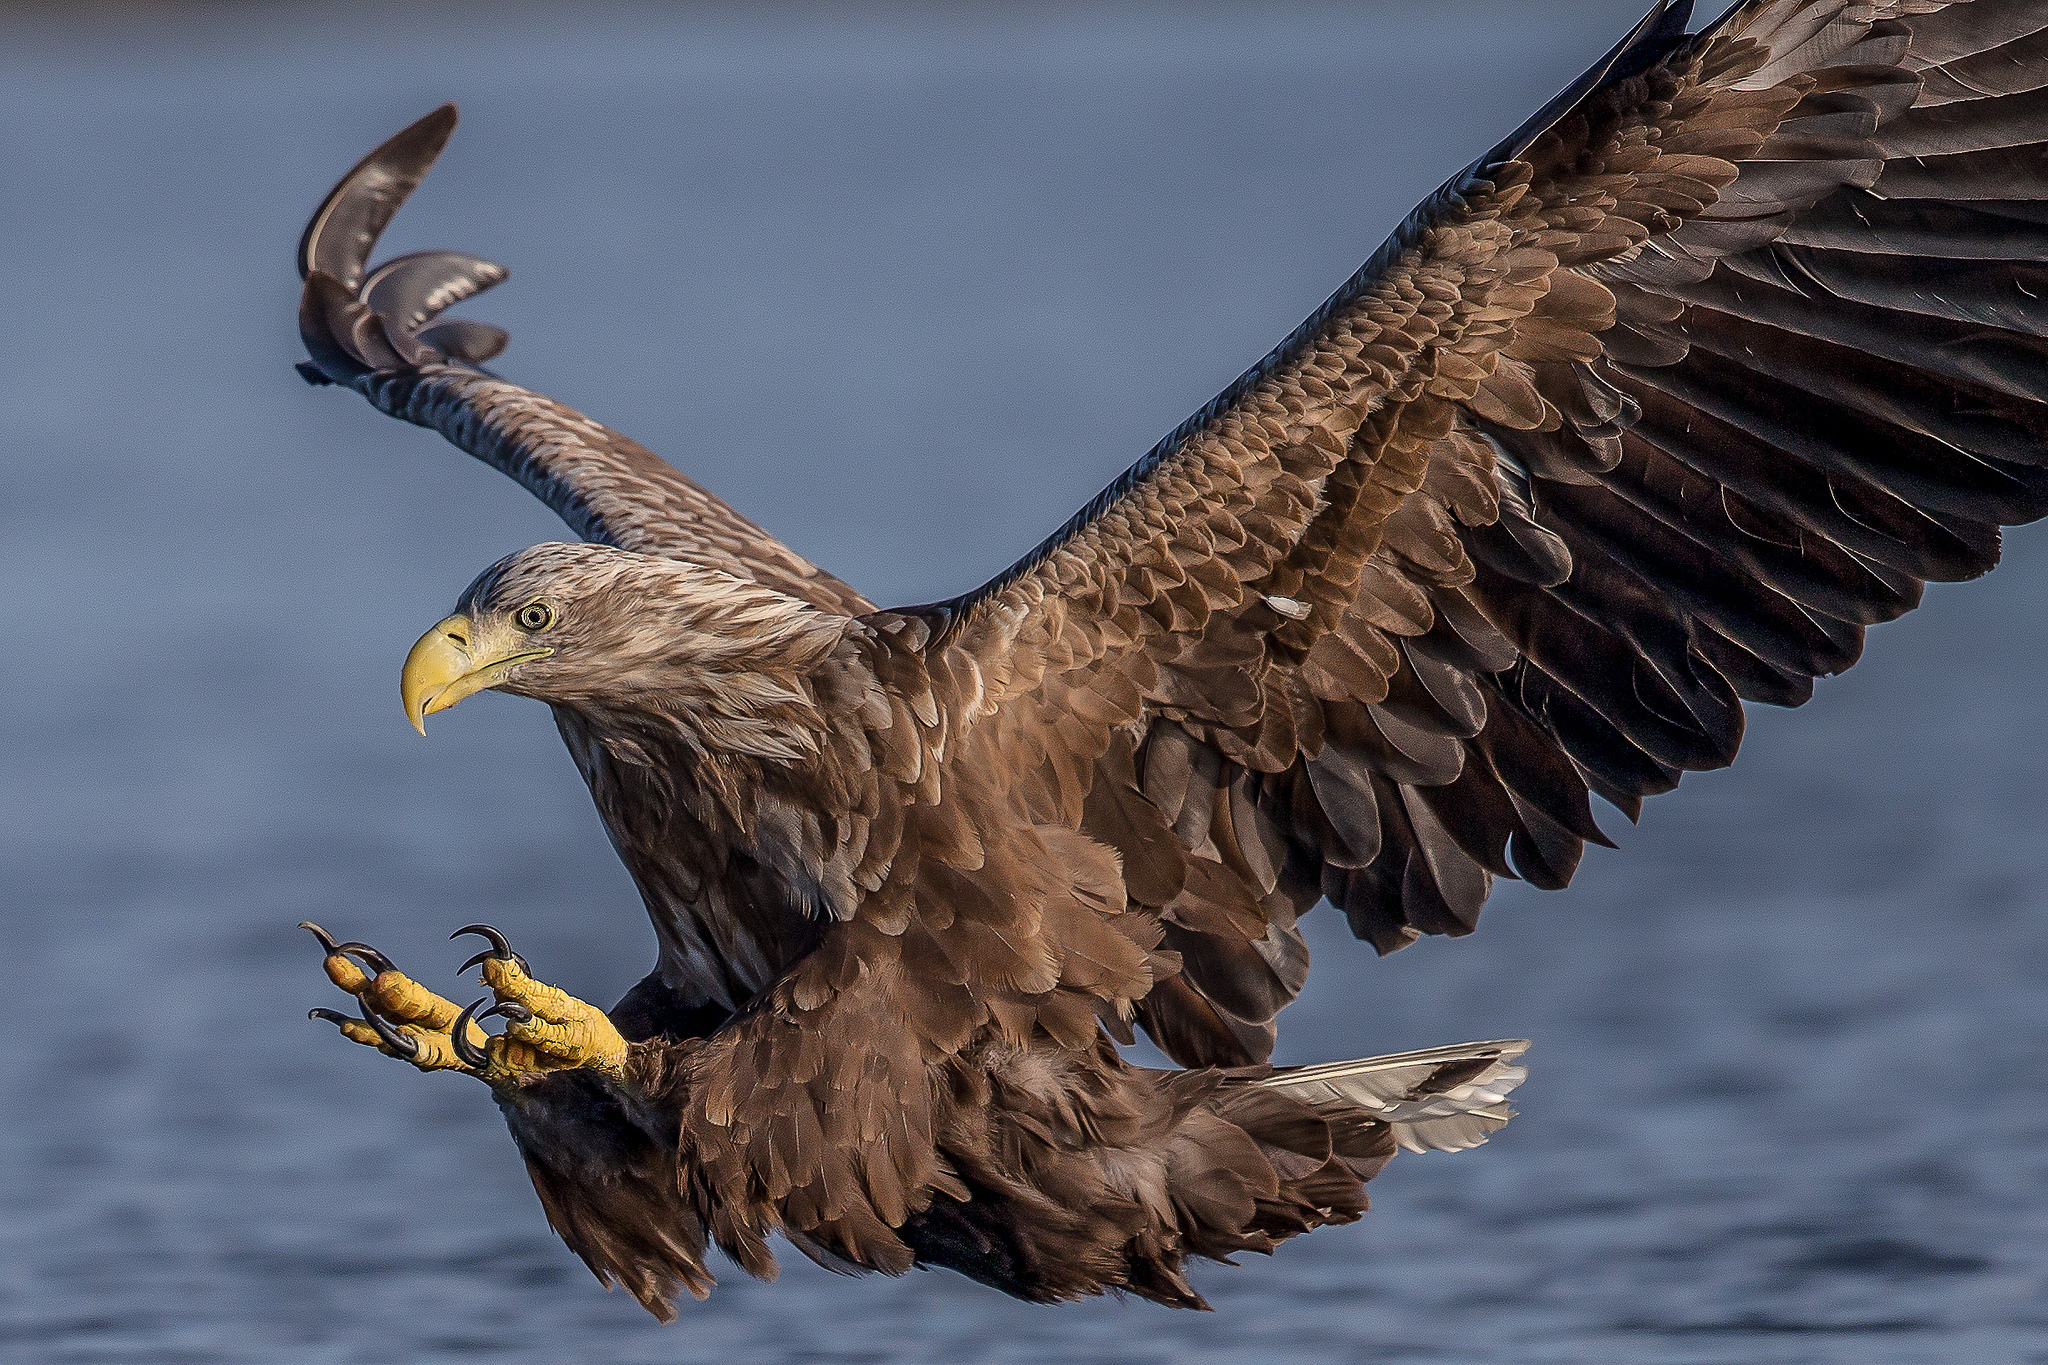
[{"x": 1648, "y": 412}]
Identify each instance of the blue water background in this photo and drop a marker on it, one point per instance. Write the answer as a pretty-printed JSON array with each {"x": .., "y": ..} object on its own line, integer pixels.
[{"x": 907, "y": 289}]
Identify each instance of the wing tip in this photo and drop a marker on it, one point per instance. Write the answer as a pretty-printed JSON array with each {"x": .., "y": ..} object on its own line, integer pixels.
[
  {"x": 355, "y": 321},
  {"x": 400, "y": 162}
]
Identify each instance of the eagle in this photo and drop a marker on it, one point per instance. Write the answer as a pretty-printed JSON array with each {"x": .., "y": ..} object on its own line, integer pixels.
[{"x": 1646, "y": 413}]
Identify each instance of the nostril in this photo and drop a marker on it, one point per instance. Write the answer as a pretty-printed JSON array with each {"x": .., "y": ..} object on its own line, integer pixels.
[{"x": 458, "y": 638}]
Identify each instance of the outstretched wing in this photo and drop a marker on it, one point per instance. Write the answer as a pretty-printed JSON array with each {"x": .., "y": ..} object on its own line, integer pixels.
[
  {"x": 1650, "y": 411},
  {"x": 381, "y": 332}
]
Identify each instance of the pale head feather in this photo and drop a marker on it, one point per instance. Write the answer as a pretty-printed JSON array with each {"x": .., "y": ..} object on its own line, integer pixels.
[{"x": 638, "y": 639}]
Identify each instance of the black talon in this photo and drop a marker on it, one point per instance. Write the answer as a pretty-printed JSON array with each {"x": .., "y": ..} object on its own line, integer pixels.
[
  {"x": 499, "y": 949},
  {"x": 326, "y": 939},
  {"x": 471, "y": 1055},
  {"x": 371, "y": 958},
  {"x": 335, "y": 1017},
  {"x": 499, "y": 946},
  {"x": 404, "y": 1046}
]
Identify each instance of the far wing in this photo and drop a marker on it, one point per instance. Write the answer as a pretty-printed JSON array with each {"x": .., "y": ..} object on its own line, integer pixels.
[
  {"x": 1649, "y": 412},
  {"x": 380, "y": 332}
]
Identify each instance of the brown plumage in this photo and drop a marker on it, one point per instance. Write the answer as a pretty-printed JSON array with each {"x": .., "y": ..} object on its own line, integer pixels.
[{"x": 1647, "y": 413}]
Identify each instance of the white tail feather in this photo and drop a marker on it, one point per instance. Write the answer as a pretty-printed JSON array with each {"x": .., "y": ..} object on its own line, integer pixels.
[{"x": 1398, "y": 1088}]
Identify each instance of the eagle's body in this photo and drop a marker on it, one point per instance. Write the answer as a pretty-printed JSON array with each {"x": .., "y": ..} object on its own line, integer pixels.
[
  {"x": 1647, "y": 413},
  {"x": 921, "y": 970}
]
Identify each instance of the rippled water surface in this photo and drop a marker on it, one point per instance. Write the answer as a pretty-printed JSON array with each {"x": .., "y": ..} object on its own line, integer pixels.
[{"x": 907, "y": 290}]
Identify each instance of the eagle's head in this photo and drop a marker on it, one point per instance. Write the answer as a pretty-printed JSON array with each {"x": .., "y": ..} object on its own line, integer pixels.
[{"x": 615, "y": 635}]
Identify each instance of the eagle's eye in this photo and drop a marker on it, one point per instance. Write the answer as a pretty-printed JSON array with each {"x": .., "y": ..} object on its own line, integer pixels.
[{"x": 535, "y": 616}]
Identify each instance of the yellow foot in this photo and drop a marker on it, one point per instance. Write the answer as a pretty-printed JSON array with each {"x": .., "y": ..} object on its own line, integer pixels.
[{"x": 547, "y": 1028}]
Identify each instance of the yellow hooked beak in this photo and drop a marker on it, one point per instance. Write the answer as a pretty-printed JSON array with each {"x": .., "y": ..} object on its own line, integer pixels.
[{"x": 459, "y": 657}]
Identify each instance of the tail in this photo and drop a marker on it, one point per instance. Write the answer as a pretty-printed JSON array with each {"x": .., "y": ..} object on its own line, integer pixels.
[
  {"x": 1442, "y": 1099},
  {"x": 1317, "y": 1135}
]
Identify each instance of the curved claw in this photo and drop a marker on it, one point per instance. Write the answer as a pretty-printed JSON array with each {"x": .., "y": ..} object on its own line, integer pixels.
[
  {"x": 510, "y": 1010},
  {"x": 335, "y": 1017},
  {"x": 500, "y": 948},
  {"x": 326, "y": 939},
  {"x": 486, "y": 957},
  {"x": 398, "y": 1042},
  {"x": 472, "y": 1056},
  {"x": 371, "y": 958},
  {"x": 499, "y": 944}
]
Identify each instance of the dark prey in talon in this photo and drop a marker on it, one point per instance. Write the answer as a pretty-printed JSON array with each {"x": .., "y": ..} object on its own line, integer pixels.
[{"x": 1642, "y": 417}]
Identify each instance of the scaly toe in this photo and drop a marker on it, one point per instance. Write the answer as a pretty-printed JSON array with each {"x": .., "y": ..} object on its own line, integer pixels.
[
  {"x": 400, "y": 1017},
  {"x": 398, "y": 1044},
  {"x": 549, "y": 1029},
  {"x": 352, "y": 1028}
]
